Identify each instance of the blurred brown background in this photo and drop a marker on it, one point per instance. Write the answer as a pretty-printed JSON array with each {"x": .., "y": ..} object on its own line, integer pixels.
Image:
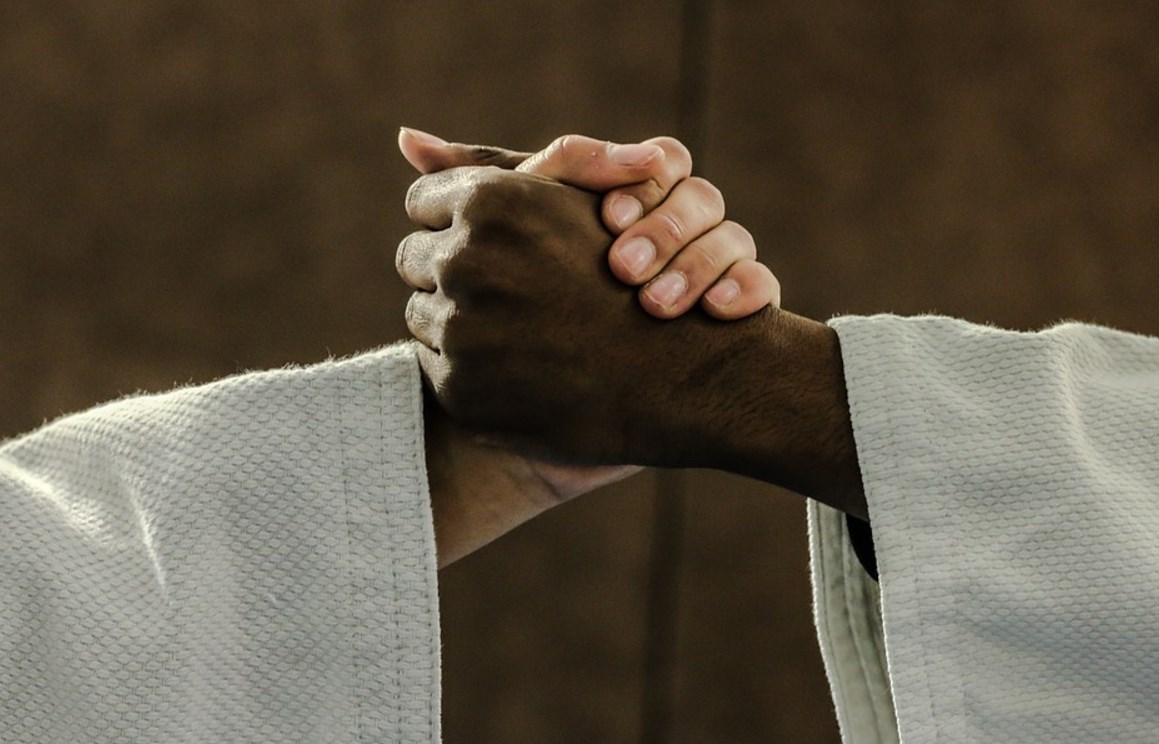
[{"x": 192, "y": 188}]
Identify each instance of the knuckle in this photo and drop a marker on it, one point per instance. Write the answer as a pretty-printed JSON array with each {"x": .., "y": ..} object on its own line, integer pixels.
[
  {"x": 484, "y": 176},
  {"x": 739, "y": 235},
  {"x": 564, "y": 146},
  {"x": 708, "y": 196},
  {"x": 485, "y": 186},
  {"x": 453, "y": 269},
  {"x": 578, "y": 151},
  {"x": 650, "y": 193},
  {"x": 704, "y": 260},
  {"x": 672, "y": 228},
  {"x": 675, "y": 152},
  {"x": 467, "y": 265}
]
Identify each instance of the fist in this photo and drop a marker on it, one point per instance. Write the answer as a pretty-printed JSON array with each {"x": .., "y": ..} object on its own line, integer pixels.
[{"x": 527, "y": 336}]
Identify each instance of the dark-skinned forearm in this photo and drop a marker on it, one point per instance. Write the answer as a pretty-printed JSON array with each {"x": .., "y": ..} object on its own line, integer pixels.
[{"x": 787, "y": 421}]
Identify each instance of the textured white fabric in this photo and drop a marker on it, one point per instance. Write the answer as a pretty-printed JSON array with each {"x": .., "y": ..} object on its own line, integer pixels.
[
  {"x": 1013, "y": 486},
  {"x": 847, "y": 608},
  {"x": 247, "y": 561}
]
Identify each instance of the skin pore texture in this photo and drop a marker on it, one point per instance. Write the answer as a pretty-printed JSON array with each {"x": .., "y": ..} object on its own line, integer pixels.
[{"x": 534, "y": 332}]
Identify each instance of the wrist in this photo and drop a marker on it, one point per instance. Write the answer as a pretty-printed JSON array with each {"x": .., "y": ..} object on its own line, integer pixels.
[
  {"x": 781, "y": 411},
  {"x": 478, "y": 492}
]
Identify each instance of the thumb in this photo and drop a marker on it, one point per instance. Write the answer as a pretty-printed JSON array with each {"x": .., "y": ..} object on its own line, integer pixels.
[
  {"x": 430, "y": 154},
  {"x": 593, "y": 164}
]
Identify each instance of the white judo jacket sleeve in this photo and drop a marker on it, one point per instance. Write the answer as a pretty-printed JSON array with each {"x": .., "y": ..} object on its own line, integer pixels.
[
  {"x": 246, "y": 561},
  {"x": 1013, "y": 487}
]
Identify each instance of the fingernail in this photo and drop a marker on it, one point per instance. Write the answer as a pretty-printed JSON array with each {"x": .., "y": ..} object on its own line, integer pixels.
[
  {"x": 635, "y": 155},
  {"x": 636, "y": 255},
  {"x": 625, "y": 210},
  {"x": 723, "y": 293},
  {"x": 667, "y": 289},
  {"x": 424, "y": 137}
]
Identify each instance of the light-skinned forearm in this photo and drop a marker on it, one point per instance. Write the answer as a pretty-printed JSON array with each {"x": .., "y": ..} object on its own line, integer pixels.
[{"x": 478, "y": 492}]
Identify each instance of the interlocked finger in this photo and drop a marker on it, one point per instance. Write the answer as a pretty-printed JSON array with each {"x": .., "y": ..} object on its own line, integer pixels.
[
  {"x": 696, "y": 268},
  {"x": 623, "y": 206},
  {"x": 693, "y": 208}
]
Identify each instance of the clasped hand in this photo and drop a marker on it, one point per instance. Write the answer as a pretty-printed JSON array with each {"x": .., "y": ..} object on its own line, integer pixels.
[
  {"x": 547, "y": 294},
  {"x": 526, "y": 331}
]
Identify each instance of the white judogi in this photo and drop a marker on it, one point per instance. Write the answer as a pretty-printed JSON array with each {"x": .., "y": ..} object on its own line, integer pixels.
[
  {"x": 248, "y": 561},
  {"x": 1013, "y": 487}
]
